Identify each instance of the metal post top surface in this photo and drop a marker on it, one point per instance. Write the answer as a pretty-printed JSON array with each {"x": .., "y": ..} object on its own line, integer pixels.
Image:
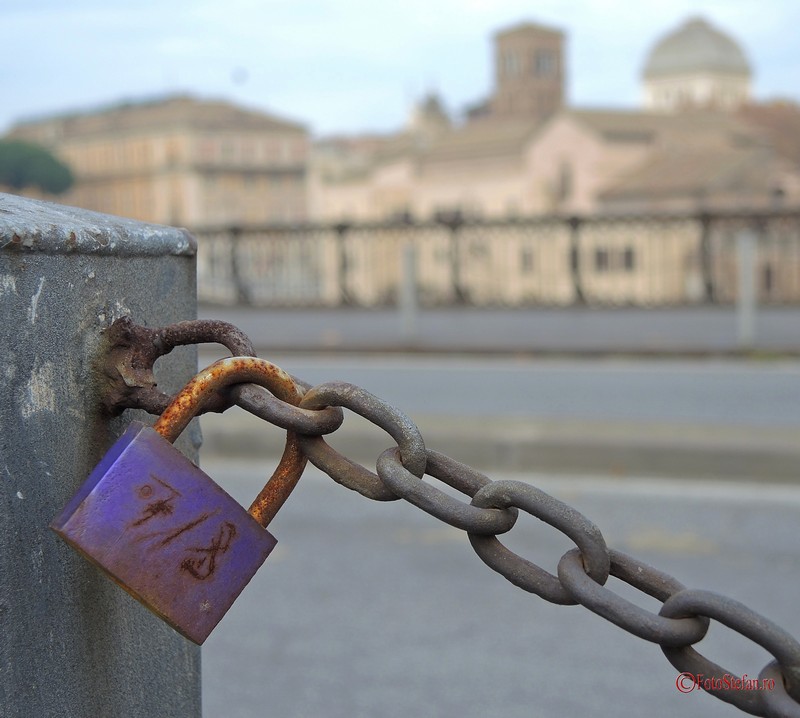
[{"x": 29, "y": 225}]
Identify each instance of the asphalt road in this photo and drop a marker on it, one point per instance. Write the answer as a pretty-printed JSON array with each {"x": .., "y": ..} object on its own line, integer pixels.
[
  {"x": 369, "y": 610},
  {"x": 673, "y": 418},
  {"x": 711, "y": 392},
  {"x": 543, "y": 330}
]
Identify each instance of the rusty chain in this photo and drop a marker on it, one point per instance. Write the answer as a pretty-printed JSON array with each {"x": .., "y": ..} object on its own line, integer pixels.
[{"x": 685, "y": 614}]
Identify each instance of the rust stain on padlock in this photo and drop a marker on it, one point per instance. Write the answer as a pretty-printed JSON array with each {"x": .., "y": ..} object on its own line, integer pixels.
[{"x": 237, "y": 370}]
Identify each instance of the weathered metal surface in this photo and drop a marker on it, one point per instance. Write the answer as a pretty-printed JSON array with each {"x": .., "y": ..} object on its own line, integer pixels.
[
  {"x": 206, "y": 385},
  {"x": 340, "y": 468},
  {"x": 43, "y": 227},
  {"x": 621, "y": 612},
  {"x": 72, "y": 643},
  {"x": 127, "y": 370},
  {"x": 743, "y": 620},
  {"x": 310, "y": 422},
  {"x": 129, "y": 382},
  {"x": 439, "y": 504},
  {"x": 524, "y": 573},
  {"x": 165, "y": 532}
]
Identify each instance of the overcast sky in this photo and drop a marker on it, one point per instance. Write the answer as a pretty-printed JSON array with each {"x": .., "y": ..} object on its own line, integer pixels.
[{"x": 350, "y": 65}]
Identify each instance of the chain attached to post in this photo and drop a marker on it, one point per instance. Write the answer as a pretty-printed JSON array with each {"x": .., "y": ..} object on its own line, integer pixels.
[{"x": 582, "y": 572}]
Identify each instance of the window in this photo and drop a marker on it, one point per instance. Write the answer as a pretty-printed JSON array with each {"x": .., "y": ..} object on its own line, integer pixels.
[
  {"x": 768, "y": 279},
  {"x": 511, "y": 63},
  {"x": 526, "y": 260},
  {"x": 607, "y": 260},
  {"x": 544, "y": 63},
  {"x": 629, "y": 259}
]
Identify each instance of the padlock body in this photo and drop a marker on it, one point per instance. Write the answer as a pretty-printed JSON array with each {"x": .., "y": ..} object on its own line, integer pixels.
[{"x": 165, "y": 532}]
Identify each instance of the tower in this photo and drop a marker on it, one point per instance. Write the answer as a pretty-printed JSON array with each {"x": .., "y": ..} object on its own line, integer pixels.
[{"x": 529, "y": 72}]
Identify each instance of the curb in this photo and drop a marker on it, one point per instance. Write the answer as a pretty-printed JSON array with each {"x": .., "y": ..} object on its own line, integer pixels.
[{"x": 566, "y": 447}]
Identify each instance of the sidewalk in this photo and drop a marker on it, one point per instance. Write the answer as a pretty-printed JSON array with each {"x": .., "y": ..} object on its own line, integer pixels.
[{"x": 559, "y": 447}]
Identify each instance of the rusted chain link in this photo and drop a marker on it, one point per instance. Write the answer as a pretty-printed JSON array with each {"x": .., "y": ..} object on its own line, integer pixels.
[
  {"x": 746, "y": 622},
  {"x": 217, "y": 377},
  {"x": 343, "y": 470},
  {"x": 623, "y": 613},
  {"x": 439, "y": 504},
  {"x": 685, "y": 614}
]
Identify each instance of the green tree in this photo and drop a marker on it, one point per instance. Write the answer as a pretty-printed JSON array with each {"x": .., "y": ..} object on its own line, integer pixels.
[{"x": 24, "y": 164}]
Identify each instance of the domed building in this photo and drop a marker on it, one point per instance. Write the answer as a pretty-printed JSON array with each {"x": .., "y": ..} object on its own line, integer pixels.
[{"x": 696, "y": 66}]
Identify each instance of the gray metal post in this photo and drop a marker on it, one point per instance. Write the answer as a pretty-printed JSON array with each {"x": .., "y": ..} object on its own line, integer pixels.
[
  {"x": 746, "y": 296},
  {"x": 408, "y": 293},
  {"x": 71, "y": 642}
]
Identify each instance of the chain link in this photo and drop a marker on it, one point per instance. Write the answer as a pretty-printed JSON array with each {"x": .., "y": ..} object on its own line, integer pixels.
[
  {"x": 623, "y": 613},
  {"x": 520, "y": 571},
  {"x": 436, "y": 502},
  {"x": 748, "y": 623},
  {"x": 394, "y": 422}
]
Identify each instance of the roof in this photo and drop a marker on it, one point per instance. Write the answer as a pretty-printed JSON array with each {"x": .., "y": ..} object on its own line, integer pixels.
[
  {"x": 485, "y": 138},
  {"x": 489, "y": 137},
  {"x": 779, "y": 123},
  {"x": 689, "y": 128},
  {"x": 693, "y": 172},
  {"x": 525, "y": 28},
  {"x": 694, "y": 47},
  {"x": 174, "y": 110},
  {"x": 620, "y": 124}
]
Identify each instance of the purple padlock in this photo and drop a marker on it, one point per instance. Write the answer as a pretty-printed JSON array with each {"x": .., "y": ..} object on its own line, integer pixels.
[{"x": 162, "y": 529}]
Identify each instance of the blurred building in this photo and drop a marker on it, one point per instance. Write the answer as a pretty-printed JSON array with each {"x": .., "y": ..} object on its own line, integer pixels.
[
  {"x": 521, "y": 152},
  {"x": 180, "y": 161},
  {"x": 529, "y": 72}
]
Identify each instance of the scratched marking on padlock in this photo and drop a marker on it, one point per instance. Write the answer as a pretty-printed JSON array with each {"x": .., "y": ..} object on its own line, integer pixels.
[{"x": 165, "y": 532}]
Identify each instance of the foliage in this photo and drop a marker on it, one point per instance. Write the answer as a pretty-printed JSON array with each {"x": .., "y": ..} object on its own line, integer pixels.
[{"x": 24, "y": 164}]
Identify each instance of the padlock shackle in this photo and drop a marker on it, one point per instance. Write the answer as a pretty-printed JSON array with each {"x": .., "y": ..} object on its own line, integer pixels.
[
  {"x": 240, "y": 370},
  {"x": 225, "y": 372}
]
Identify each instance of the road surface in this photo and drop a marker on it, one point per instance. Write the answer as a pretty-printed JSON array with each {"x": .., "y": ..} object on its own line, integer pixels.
[
  {"x": 572, "y": 330},
  {"x": 371, "y": 610}
]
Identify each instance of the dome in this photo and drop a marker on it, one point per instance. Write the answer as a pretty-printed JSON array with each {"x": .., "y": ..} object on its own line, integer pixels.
[{"x": 696, "y": 46}]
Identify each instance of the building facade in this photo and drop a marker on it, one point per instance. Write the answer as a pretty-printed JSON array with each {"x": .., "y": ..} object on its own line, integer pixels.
[
  {"x": 522, "y": 153},
  {"x": 181, "y": 161}
]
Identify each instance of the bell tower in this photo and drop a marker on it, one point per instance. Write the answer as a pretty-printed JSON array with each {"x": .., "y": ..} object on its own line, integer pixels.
[{"x": 529, "y": 72}]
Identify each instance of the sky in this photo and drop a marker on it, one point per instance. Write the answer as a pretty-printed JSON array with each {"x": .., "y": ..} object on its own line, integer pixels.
[{"x": 346, "y": 66}]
